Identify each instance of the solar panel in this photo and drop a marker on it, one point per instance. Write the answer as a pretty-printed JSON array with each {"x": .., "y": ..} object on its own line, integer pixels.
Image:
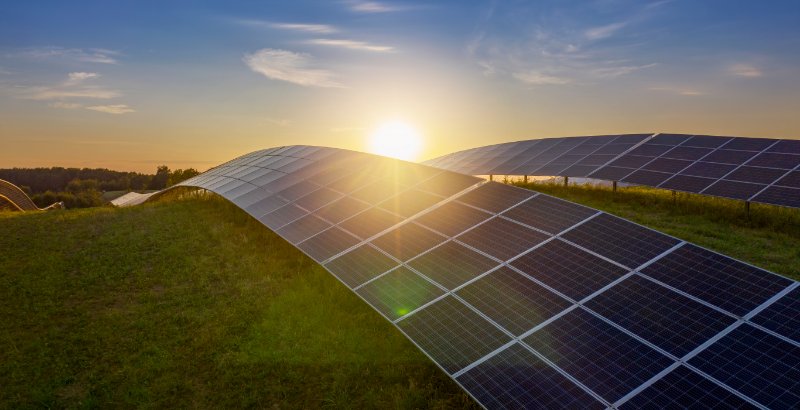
[
  {"x": 530, "y": 300},
  {"x": 619, "y": 240},
  {"x": 452, "y": 334},
  {"x": 736, "y": 168},
  {"x": 593, "y": 352},
  {"x": 516, "y": 378},
  {"x": 683, "y": 388},
  {"x": 755, "y": 363}
]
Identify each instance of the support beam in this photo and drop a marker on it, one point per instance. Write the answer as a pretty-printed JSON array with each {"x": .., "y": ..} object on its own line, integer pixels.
[
  {"x": 525, "y": 179},
  {"x": 566, "y": 181},
  {"x": 614, "y": 186},
  {"x": 491, "y": 177},
  {"x": 747, "y": 208}
]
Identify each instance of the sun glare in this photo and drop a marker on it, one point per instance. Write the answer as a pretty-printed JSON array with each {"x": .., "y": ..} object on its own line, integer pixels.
[{"x": 396, "y": 139}]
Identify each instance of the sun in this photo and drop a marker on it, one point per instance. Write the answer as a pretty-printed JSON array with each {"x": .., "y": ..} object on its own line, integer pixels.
[{"x": 396, "y": 139}]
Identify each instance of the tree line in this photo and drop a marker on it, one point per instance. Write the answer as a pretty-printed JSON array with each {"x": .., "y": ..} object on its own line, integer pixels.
[{"x": 84, "y": 187}]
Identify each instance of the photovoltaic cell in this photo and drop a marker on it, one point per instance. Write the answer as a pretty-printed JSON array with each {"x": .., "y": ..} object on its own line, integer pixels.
[
  {"x": 515, "y": 378},
  {"x": 755, "y": 174},
  {"x": 684, "y": 389},
  {"x": 318, "y": 199},
  {"x": 360, "y": 265},
  {"x": 611, "y": 173},
  {"x": 282, "y": 216},
  {"x": 407, "y": 241},
  {"x": 452, "y": 264},
  {"x": 724, "y": 282},
  {"x": 650, "y": 178},
  {"x": 512, "y": 300},
  {"x": 399, "y": 292},
  {"x": 327, "y": 244},
  {"x": 603, "y": 358},
  {"x": 303, "y": 228},
  {"x": 707, "y": 141},
  {"x": 448, "y": 183},
  {"x": 452, "y": 218},
  {"x": 341, "y": 209},
  {"x": 687, "y": 153},
  {"x": 687, "y": 183},
  {"x": 370, "y": 222},
  {"x": 665, "y": 318},
  {"x": 620, "y": 240},
  {"x": 791, "y": 179},
  {"x": 502, "y": 238},
  {"x": 549, "y": 214},
  {"x": 776, "y": 160},
  {"x": 756, "y": 363},
  {"x": 725, "y": 156},
  {"x": 452, "y": 334},
  {"x": 733, "y": 189},
  {"x": 781, "y": 317},
  {"x": 780, "y": 196},
  {"x": 410, "y": 202},
  {"x": 495, "y": 197},
  {"x": 567, "y": 269},
  {"x": 708, "y": 170},
  {"x": 786, "y": 147}
]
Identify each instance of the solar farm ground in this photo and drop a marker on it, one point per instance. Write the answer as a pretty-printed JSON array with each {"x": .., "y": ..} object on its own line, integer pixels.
[{"x": 193, "y": 303}]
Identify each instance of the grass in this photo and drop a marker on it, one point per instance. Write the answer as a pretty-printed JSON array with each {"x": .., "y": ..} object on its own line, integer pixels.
[
  {"x": 769, "y": 237},
  {"x": 190, "y": 303}
]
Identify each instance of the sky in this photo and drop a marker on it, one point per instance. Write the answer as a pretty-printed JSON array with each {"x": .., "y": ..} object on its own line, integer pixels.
[{"x": 130, "y": 85}]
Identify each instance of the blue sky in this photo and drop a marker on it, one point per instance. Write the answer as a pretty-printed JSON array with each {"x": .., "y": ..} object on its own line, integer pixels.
[{"x": 128, "y": 84}]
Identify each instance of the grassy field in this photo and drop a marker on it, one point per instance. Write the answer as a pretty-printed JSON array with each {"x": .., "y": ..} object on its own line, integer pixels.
[
  {"x": 769, "y": 237},
  {"x": 190, "y": 303}
]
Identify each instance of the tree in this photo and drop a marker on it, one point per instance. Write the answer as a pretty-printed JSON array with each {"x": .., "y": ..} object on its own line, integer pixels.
[
  {"x": 160, "y": 179},
  {"x": 180, "y": 175}
]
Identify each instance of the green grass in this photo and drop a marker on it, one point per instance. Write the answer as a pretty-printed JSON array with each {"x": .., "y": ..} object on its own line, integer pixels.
[
  {"x": 769, "y": 237},
  {"x": 190, "y": 303}
]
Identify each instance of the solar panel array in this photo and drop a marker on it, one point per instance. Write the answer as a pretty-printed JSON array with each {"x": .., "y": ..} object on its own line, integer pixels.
[
  {"x": 752, "y": 169},
  {"x": 524, "y": 299}
]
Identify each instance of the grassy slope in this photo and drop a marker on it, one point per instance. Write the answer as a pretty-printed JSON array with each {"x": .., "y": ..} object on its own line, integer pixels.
[
  {"x": 768, "y": 238},
  {"x": 190, "y": 304}
]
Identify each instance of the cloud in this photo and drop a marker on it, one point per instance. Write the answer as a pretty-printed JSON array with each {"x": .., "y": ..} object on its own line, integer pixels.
[
  {"x": 352, "y": 45},
  {"x": 62, "y": 92},
  {"x": 745, "y": 70},
  {"x": 281, "y": 122},
  {"x": 112, "y": 109},
  {"x": 536, "y": 45},
  {"x": 537, "y": 78},
  {"x": 371, "y": 7},
  {"x": 65, "y": 105},
  {"x": 91, "y": 55},
  {"x": 289, "y": 66},
  {"x": 689, "y": 92},
  {"x": 303, "y": 27},
  {"x": 309, "y": 28},
  {"x": 79, "y": 77},
  {"x": 599, "y": 33}
]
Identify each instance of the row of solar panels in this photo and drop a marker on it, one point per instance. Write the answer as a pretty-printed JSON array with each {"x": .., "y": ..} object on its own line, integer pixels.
[
  {"x": 752, "y": 169},
  {"x": 17, "y": 197},
  {"x": 526, "y": 300}
]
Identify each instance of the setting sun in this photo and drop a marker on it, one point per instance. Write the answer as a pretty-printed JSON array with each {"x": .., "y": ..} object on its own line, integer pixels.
[{"x": 396, "y": 139}]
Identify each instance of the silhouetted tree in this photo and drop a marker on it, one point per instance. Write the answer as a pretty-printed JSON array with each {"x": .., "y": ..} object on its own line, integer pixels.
[
  {"x": 180, "y": 175},
  {"x": 160, "y": 179}
]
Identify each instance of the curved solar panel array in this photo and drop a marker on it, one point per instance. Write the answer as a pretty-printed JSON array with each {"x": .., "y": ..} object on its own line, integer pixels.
[
  {"x": 524, "y": 299},
  {"x": 751, "y": 169},
  {"x": 16, "y": 197}
]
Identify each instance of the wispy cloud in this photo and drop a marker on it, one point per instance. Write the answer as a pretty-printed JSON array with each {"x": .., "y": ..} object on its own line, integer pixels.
[
  {"x": 90, "y": 55},
  {"x": 296, "y": 68},
  {"x": 745, "y": 70},
  {"x": 371, "y": 6},
  {"x": 352, "y": 45},
  {"x": 536, "y": 45},
  {"x": 309, "y": 28},
  {"x": 62, "y": 92},
  {"x": 79, "y": 77},
  {"x": 599, "y": 33},
  {"x": 537, "y": 78},
  {"x": 112, "y": 109},
  {"x": 302, "y": 27},
  {"x": 689, "y": 92},
  {"x": 65, "y": 105}
]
